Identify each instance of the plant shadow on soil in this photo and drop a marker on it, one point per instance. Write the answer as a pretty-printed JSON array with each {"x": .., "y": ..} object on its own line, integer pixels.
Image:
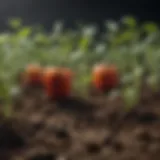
[{"x": 78, "y": 129}]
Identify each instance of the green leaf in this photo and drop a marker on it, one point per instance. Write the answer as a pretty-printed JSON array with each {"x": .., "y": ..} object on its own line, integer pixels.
[
  {"x": 129, "y": 21},
  {"x": 131, "y": 97},
  {"x": 112, "y": 26},
  {"x": 15, "y": 23},
  {"x": 150, "y": 27},
  {"x": 153, "y": 82},
  {"x": 25, "y": 32}
]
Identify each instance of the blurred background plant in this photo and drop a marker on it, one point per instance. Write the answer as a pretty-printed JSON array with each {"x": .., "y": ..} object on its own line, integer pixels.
[{"x": 134, "y": 48}]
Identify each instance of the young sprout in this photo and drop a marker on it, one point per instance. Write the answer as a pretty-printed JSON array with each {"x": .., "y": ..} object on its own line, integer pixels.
[
  {"x": 127, "y": 79},
  {"x": 115, "y": 94},
  {"x": 15, "y": 91},
  {"x": 153, "y": 82},
  {"x": 138, "y": 76},
  {"x": 131, "y": 96}
]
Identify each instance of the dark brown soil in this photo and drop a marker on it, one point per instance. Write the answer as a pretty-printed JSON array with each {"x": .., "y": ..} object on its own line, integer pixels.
[{"x": 97, "y": 128}]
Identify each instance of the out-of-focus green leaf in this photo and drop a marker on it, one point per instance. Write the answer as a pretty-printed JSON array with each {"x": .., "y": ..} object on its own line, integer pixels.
[
  {"x": 25, "y": 32},
  {"x": 129, "y": 21},
  {"x": 125, "y": 45},
  {"x": 15, "y": 23},
  {"x": 131, "y": 97},
  {"x": 150, "y": 27},
  {"x": 112, "y": 26}
]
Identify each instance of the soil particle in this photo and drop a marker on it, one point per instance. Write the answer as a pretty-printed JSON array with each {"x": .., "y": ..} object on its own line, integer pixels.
[
  {"x": 43, "y": 156},
  {"x": 91, "y": 128},
  {"x": 144, "y": 136},
  {"x": 62, "y": 134},
  {"x": 93, "y": 148},
  {"x": 118, "y": 146},
  {"x": 9, "y": 138}
]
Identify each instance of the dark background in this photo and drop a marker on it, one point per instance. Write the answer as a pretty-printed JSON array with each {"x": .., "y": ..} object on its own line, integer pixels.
[{"x": 46, "y": 12}]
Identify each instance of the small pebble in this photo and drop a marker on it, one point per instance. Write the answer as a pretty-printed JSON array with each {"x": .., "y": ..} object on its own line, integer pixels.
[
  {"x": 47, "y": 156},
  {"x": 93, "y": 148},
  {"x": 62, "y": 134}
]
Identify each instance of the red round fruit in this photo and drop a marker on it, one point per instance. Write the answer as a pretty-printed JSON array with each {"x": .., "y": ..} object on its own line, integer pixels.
[{"x": 105, "y": 77}]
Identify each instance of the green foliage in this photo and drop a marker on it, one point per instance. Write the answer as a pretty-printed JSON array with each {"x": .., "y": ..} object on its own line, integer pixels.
[{"x": 132, "y": 47}]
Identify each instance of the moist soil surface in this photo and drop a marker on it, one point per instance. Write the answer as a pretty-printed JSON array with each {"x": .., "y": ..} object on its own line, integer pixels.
[{"x": 92, "y": 128}]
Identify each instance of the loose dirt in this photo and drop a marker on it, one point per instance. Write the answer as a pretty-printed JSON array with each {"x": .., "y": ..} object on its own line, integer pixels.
[{"x": 95, "y": 128}]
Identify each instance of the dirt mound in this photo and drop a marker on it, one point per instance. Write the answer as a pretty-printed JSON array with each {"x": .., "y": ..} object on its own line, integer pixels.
[{"x": 76, "y": 129}]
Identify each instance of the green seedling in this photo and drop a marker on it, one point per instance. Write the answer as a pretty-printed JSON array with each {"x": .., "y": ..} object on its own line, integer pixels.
[
  {"x": 131, "y": 97},
  {"x": 138, "y": 76},
  {"x": 153, "y": 82}
]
